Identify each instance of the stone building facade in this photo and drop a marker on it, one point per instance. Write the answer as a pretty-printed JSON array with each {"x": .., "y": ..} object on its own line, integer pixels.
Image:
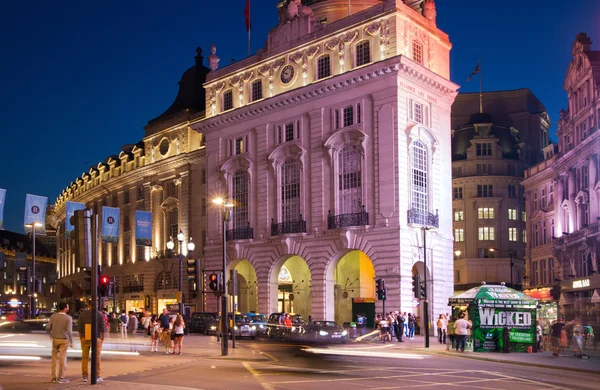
[
  {"x": 490, "y": 152},
  {"x": 333, "y": 144},
  {"x": 562, "y": 194}
]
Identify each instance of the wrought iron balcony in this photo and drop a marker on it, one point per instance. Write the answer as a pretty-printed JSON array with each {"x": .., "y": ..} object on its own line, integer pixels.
[
  {"x": 351, "y": 219},
  {"x": 423, "y": 218},
  {"x": 133, "y": 288},
  {"x": 246, "y": 233},
  {"x": 289, "y": 227}
]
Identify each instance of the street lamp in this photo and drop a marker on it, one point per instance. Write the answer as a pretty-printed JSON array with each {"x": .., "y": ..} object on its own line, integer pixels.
[
  {"x": 511, "y": 253},
  {"x": 32, "y": 294},
  {"x": 225, "y": 212},
  {"x": 190, "y": 246}
]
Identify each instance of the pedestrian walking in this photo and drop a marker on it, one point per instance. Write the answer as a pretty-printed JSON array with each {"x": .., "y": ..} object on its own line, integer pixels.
[
  {"x": 60, "y": 329},
  {"x": 461, "y": 330},
  {"x": 411, "y": 326},
  {"x": 154, "y": 333},
  {"x": 442, "y": 326},
  {"x": 178, "y": 331},
  {"x": 451, "y": 334},
  {"x": 85, "y": 320},
  {"x": 123, "y": 325},
  {"x": 132, "y": 323}
]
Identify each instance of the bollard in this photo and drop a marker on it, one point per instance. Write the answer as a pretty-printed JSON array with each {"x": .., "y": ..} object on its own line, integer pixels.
[
  {"x": 506, "y": 340},
  {"x": 530, "y": 349}
]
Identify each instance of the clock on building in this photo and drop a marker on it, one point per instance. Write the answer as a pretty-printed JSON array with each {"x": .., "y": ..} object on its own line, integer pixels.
[{"x": 287, "y": 74}]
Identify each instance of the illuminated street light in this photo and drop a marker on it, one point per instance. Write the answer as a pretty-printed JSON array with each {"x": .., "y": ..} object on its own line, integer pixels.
[{"x": 32, "y": 303}]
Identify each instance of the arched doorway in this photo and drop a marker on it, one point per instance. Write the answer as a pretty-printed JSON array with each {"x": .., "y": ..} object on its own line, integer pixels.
[
  {"x": 354, "y": 287},
  {"x": 291, "y": 288},
  {"x": 246, "y": 299}
]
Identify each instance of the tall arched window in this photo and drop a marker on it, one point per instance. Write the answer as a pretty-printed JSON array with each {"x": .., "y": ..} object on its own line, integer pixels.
[
  {"x": 350, "y": 180},
  {"x": 239, "y": 188},
  {"x": 290, "y": 191},
  {"x": 419, "y": 190}
]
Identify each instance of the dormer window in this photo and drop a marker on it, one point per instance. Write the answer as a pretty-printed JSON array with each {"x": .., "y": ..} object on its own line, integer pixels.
[
  {"x": 417, "y": 52},
  {"x": 257, "y": 90},
  {"x": 323, "y": 67},
  {"x": 347, "y": 116},
  {"x": 363, "y": 53},
  {"x": 227, "y": 100},
  {"x": 288, "y": 132},
  {"x": 418, "y": 112},
  {"x": 484, "y": 149}
]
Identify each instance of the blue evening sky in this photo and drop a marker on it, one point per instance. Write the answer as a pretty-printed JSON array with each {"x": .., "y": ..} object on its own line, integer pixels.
[{"x": 79, "y": 79}]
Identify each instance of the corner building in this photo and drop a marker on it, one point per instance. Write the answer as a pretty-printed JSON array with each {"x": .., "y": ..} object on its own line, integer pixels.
[
  {"x": 563, "y": 197},
  {"x": 333, "y": 143}
]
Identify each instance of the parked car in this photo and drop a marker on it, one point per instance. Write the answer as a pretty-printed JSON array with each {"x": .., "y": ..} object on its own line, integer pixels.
[
  {"x": 259, "y": 320},
  {"x": 203, "y": 323},
  {"x": 324, "y": 331},
  {"x": 274, "y": 329}
]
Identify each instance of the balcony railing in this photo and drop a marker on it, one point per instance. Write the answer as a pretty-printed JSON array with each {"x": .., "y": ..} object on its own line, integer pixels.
[
  {"x": 423, "y": 218},
  {"x": 133, "y": 289},
  {"x": 289, "y": 227},
  {"x": 351, "y": 219},
  {"x": 246, "y": 233}
]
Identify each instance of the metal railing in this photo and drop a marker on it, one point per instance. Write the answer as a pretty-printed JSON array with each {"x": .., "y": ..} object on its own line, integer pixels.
[
  {"x": 246, "y": 233},
  {"x": 289, "y": 227},
  {"x": 351, "y": 219},
  {"x": 423, "y": 218}
]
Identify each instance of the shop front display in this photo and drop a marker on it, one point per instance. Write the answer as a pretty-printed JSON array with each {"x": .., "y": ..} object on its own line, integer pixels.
[{"x": 498, "y": 314}]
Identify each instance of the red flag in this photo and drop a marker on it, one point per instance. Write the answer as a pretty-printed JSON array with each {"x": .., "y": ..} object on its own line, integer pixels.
[{"x": 247, "y": 16}]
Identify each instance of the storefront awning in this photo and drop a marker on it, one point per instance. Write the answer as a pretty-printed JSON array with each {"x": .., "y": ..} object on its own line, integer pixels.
[{"x": 488, "y": 293}]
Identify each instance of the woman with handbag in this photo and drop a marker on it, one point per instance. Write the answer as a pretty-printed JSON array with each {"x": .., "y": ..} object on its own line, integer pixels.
[{"x": 178, "y": 327}]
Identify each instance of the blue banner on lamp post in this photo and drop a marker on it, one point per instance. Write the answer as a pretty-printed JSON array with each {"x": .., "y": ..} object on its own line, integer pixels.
[
  {"x": 70, "y": 210},
  {"x": 110, "y": 224},
  {"x": 35, "y": 213},
  {"x": 143, "y": 228}
]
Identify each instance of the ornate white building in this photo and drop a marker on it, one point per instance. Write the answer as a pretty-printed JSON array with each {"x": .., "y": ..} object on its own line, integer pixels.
[
  {"x": 333, "y": 143},
  {"x": 562, "y": 193}
]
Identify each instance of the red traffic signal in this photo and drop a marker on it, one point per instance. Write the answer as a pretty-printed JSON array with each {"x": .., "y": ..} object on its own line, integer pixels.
[
  {"x": 213, "y": 280},
  {"x": 104, "y": 280}
]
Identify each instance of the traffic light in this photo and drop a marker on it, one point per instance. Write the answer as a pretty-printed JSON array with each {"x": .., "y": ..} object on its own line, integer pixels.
[
  {"x": 215, "y": 282},
  {"x": 103, "y": 284},
  {"x": 416, "y": 285},
  {"x": 193, "y": 269},
  {"x": 81, "y": 237},
  {"x": 422, "y": 292},
  {"x": 381, "y": 291}
]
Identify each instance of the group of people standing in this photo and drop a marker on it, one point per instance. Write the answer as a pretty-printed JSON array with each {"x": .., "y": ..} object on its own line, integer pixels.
[
  {"x": 563, "y": 337},
  {"x": 395, "y": 325}
]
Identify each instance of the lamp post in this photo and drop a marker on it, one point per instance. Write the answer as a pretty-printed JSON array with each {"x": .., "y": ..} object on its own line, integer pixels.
[
  {"x": 426, "y": 295},
  {"x": 190, "y": 246},
  {"x": 225, "y": 211},
  {"x": 32, "y": 293}
]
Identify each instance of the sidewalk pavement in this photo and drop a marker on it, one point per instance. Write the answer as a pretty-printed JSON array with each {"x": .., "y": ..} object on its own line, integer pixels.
[{"x": 540, "y": 359}]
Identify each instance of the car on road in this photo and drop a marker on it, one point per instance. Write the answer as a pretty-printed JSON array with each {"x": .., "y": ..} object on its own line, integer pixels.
[
  {"x": 324, "y": 331},
  {"x": 242, "y": 326},
  {"x": 203, "y": 323},
  {"x": 259, "y": 320},
  {"x": 276, "y": 330}
]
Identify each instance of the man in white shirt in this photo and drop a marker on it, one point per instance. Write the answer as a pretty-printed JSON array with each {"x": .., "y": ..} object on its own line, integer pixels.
[{"x": 461, "y": 330}]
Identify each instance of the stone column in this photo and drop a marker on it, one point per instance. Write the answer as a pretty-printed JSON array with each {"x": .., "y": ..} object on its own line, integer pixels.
[
  {"x": 572, "y": 211},
  {"x": 156, "y": 195}
]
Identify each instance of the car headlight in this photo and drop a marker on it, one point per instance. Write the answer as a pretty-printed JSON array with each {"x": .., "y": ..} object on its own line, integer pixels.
[
  {"x": 344, "y": 333},
  {"x": 323, "y": 333},
  {"x": 235, "y": 327},
  {"x": 253, "y": 327},
  {"x": 262, "y": 326},
  {"x": 213, "y": 327},
  {"x": 293, "y": 328}
]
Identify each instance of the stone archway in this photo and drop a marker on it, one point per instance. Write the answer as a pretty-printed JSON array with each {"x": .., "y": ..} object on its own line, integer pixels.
[
  {"x": 350, "y": 280},
  {"x": 290, "y": 286},
  {"x": 246, "y": 299}
]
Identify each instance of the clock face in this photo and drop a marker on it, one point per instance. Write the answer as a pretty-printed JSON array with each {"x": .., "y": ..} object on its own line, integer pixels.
[{"x": 287, "y": 74}]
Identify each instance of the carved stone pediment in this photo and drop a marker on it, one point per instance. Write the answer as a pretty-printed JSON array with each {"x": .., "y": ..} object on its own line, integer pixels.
[
  {"x": 234, "y": 80},
  {"x": 248, "y": 75},
  {"x": 296, "y": 57},
  {"x": 310, "y": 53},
  {"x": 332, "y": 44},
  {"x": 285, "y": 151},
  {"x": 351, "y": 136},
  {"x": 372, "y": 29},
  {"x": 219, "y": 87},
  {"x": 582, "y": 198},
  {"x": 351, "y": 36},
  {"x": 264, "y": 70},
  {"x": 279, "y": 63}
]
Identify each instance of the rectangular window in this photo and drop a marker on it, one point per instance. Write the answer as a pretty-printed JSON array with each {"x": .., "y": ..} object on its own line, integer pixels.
[
  {"x": 363, "y": 53},
  {"x": 535, "y": 201},
  {"x": 239, "y": 146},
  {"x": 459, "y": 235},
  {"x": 457, "y": 172},
  {"x": 257, "y": 90},
  {"x": 585, "y": 180},
  {"x": 511, "y": 170},
  {"x": 336, "y": 114},
  {"x": 544, "y": 233},
  {"x": 543, "y": 199},
  {"x": 348, "y": 116},
  {"x": 140, "y": 193},
  {"x": 551, "y": 196},
  {"x": 417, "y": 52},
  {"x": 457, "y": 193},
  {"x": 126, "y": 197},
  {"x": 485, "y": 213},
  {"x": 525, "y": 236},
  {"x": 544, "y": 271},
  {"x": 535, "y": 273},
  {"x": 126, "y": 224},
  {"x": 485, "y": 190},
  {"x": 323, "y": 67},
  {"x": 512, "y": 191},
  {"x": 227, "y": 100},
  {"x": 536, "y": 235},
  {"x": 523, "y": 216},
  {"x": 289, "y": 132},
  {"x": 512, "y": 214},
  {"x": 484, "y": 149},
  {"x": 551, "y": 276},
  {"x": 418, "y": 112},
  {"x": 358, "y": 114},
  {"x": 458, "y": 215},
  {"x": 486, "y": 233},
  {"x": 512, "y": 234}
]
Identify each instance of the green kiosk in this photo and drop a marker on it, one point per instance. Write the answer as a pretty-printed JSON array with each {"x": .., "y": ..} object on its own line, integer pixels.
[{"x": 498, "y": 314}]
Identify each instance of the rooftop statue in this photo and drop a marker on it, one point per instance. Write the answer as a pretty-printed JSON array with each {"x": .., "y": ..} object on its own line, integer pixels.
[
  {"x": 429, "y": 11},
  {"x": 296, "y": 9},
  {"x": 213, "y": 59}
]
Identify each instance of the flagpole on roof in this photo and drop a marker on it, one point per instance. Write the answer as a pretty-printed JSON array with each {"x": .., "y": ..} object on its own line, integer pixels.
[
  {"x": 250, "y": 29},
  {"x": 480, "y": 89}
]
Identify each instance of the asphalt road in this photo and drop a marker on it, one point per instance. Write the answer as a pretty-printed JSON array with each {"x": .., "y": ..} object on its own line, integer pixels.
[{"x": 271, "y": 365}]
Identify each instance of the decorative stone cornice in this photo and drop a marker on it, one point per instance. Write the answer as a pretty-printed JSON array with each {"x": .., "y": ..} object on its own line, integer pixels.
[{"x": 339, "y": 83}]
